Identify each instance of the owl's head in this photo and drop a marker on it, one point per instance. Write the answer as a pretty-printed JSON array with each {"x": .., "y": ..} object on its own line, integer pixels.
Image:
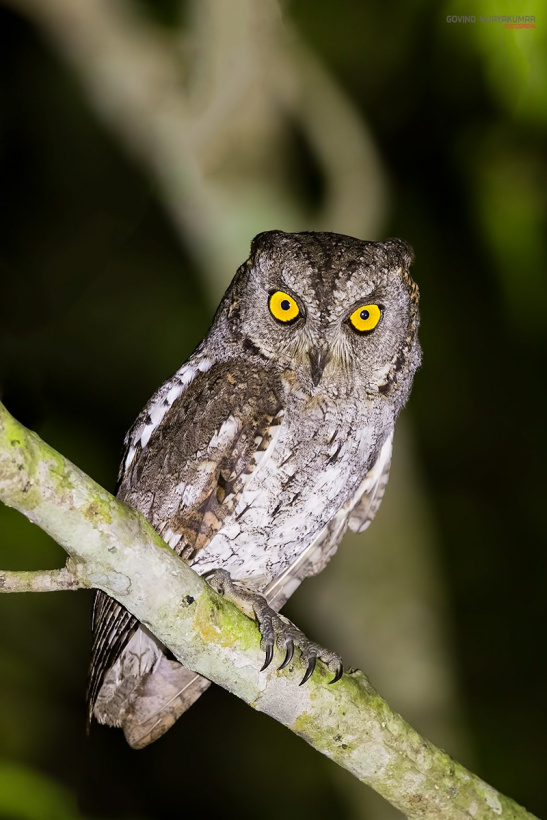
[{"x": 339, "y": 315}]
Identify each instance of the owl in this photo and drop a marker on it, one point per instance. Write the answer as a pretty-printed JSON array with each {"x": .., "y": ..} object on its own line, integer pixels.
[{"x": 254, "y": 459}]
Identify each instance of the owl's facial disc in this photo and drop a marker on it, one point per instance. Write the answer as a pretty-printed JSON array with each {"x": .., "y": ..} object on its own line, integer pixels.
[{"x": 337, "y": 316}]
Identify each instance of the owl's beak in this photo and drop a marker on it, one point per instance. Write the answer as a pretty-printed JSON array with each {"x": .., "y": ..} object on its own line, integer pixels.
[{"x": 319, "y": 357}]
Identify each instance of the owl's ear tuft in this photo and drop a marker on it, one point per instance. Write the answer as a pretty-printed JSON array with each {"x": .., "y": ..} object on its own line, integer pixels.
[
  {"x": 400, "y": 251},
  {"x": 264, "y": 240}
]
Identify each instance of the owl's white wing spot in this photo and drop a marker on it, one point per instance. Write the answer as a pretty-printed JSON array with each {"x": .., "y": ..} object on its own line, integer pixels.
[
  {"x": 129, "y": 457},
  {"x": 204, "y": 364},
  {"x": 226, "y": 432},
  {"x": 171, "y": 538},
  {"x": 158, "y": 412},
  {"x": 146, "y": 433}
]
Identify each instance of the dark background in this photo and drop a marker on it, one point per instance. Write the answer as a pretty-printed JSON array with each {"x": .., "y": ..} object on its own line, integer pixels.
[{"x": 100, "y": 301}]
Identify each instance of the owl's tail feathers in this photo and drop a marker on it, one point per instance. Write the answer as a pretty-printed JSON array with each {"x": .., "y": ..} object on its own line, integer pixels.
[
  {"x": 159, "y": 700},
  {"x": 143, "y": 699}
]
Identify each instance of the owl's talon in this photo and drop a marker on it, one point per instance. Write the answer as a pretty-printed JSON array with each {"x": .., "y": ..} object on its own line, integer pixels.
[
  {"x": 289, "y": 655},
  {"x": 309, "y": 671},
  {"x": 274, "y": 628},
  {"x": 338, "y": 675},
  {"x": 269, "y": 656}
]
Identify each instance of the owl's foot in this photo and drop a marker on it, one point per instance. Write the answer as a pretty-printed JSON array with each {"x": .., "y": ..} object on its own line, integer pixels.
[{"x": 274, "y": 628}]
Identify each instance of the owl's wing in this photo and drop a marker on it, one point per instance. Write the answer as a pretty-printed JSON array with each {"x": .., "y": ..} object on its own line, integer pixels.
[
  {"x": 187, "y": 476},
  {"x": 357, "y": 513}
]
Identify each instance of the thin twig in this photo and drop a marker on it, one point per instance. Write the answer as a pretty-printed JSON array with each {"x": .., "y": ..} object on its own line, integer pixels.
[{"x": 53, "y": 580}]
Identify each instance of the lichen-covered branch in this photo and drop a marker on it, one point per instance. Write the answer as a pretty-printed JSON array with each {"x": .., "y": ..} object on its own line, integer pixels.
[
  {"x": 113, "y": 548},
  {"x": 53, "y": 580}
]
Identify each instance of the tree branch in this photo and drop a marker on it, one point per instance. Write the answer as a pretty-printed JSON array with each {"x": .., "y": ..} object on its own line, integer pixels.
[
  {"x": 53, "y": 580},
  {"x": 113, "y": 548}
]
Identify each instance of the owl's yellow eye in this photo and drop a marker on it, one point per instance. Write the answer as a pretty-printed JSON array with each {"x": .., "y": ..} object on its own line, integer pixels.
[
  {"x": 283, "y": 307},
  {"x": 365, "y": 317}
]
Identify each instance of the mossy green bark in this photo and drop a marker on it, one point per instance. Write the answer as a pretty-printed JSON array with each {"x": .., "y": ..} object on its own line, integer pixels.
[{"x": 113, "y": 548}]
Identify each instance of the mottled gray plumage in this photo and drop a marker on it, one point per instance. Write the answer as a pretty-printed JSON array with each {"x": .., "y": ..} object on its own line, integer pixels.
[{"x": 264, "y": 447}]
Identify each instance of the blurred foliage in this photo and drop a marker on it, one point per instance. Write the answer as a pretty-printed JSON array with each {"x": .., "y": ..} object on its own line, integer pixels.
[
  {"x": 99, "y": 303},
  {"x": 26, "y": 795}
]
